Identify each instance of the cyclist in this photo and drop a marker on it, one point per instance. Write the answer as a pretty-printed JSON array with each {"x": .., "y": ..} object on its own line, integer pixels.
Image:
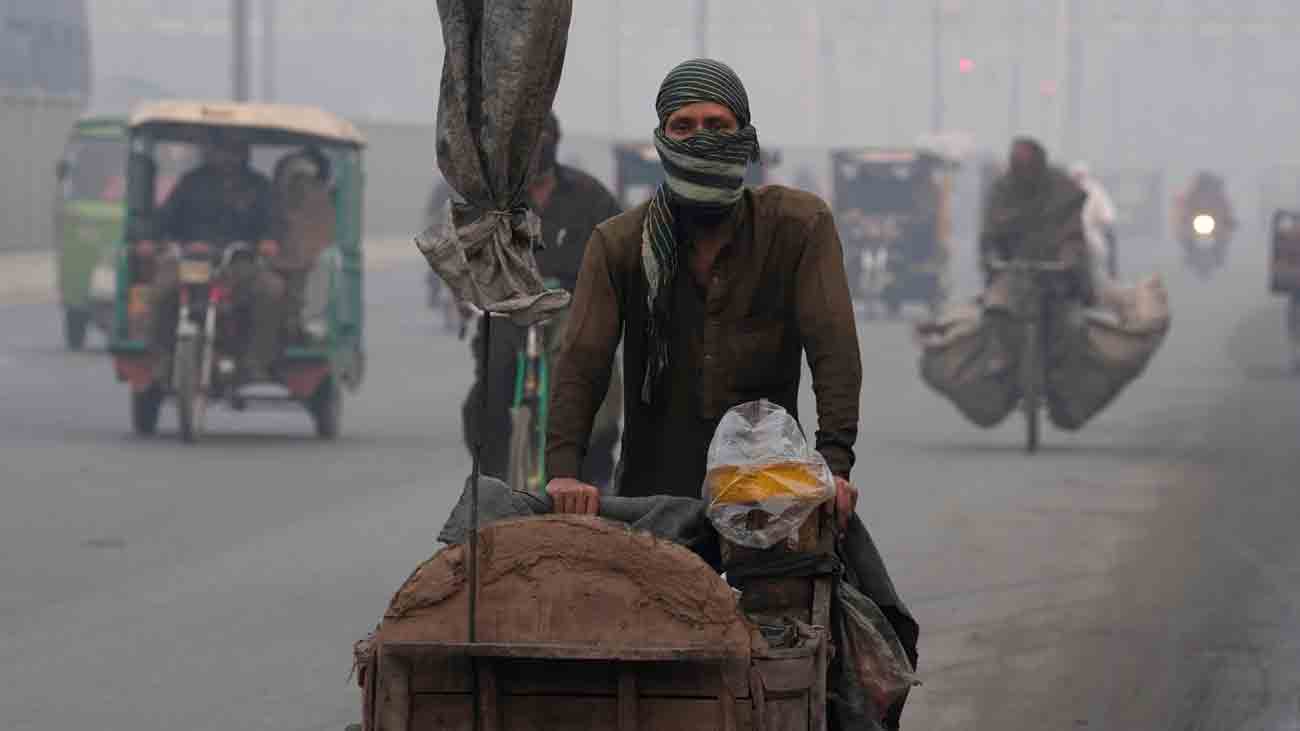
[{"x": 571, "y": 204}]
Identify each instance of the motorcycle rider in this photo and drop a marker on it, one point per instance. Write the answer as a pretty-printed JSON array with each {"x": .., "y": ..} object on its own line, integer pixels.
[
  {"x": 1099, "y": 216},
  {"x": 223, "y": 201},
  {"x": 570, "y": 204},
  {"x": 1205, "y": 194}
]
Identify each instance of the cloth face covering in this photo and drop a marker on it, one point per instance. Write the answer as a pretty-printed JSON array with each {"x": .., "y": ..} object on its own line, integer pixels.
[{"x": 704, "y": 172}]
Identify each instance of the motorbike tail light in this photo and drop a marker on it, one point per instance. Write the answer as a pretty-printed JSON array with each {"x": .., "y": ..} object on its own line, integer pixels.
[
  {"x": 197, "y": 248},
  {"x": 218, "y": 294}
]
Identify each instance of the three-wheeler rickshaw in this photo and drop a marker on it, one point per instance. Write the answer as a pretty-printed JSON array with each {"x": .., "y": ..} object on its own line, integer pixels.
[
  {"x": 312, "y": 163},
  {"x": 891, "y": 206}
]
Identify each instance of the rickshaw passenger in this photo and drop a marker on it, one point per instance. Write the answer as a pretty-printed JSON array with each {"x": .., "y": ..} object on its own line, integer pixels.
[
  {"x": 222, "y": 201},
  {"x": 302, "y": 224}
]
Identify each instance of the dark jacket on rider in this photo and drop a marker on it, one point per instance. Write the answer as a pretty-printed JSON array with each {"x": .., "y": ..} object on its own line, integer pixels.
[
  {"x": 209, "y": 205},
  {"x": 1039, "y": 219},
  {"x": 778, "y": 293}
]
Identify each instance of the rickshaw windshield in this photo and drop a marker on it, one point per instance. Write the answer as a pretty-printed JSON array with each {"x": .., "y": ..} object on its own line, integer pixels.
[
  {"x": 96, "y": 170},
  {"x": 894, "y": 188},
  {"x": 162, "y": 161}
]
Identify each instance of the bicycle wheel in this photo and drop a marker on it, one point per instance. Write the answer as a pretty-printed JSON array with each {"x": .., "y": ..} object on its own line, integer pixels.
[
  {"x": 521, "y": 453},
  {"x": 1031, "y": 385}
]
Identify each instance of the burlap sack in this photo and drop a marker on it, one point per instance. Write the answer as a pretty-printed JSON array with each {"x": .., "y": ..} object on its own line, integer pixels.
[
  {"x": 966, "y": 357},
  {"x": 1102, "y": 350}
]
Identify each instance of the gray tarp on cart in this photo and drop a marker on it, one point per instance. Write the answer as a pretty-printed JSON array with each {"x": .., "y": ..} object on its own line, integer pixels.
[{"x": 499, "y": 78}]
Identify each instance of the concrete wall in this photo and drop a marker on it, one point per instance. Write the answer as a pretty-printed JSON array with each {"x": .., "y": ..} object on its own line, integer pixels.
[{"x": 32, "y": 133}]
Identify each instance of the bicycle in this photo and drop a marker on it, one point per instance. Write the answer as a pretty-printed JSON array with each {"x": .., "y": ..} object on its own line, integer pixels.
[
  {"x": 529, "y": 404},
  {"x": 1032, "y": 295},
  {"x": 530, "y": 412}
]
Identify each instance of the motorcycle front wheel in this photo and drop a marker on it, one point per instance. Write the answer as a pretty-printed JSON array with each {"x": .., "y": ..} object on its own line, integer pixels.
[
  {"x": 1293, "y": 331},
  {"x": 191, "y": 401}
]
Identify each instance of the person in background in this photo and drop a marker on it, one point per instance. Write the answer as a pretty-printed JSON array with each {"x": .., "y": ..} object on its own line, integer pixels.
[{"x": 1099, "y": 216}]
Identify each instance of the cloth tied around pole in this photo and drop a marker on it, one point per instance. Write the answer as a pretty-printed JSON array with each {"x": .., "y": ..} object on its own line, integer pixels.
[{"x": 490, "y": 263}]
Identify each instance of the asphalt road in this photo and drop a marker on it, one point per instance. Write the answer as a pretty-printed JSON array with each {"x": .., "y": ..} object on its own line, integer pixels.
[{"x": 1141, "y": 574}]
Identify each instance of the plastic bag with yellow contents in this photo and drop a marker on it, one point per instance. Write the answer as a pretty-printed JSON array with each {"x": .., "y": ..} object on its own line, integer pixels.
[{"x": 763, "y": 479}]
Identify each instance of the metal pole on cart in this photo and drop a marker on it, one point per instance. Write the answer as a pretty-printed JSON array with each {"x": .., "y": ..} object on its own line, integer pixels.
[{"x": 476, "y": 474}]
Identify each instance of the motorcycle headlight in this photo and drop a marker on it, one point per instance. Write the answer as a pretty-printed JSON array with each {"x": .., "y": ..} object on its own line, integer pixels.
[
  {"x": 316, "y": 329},
  {"x": 1203, "y": 224}
]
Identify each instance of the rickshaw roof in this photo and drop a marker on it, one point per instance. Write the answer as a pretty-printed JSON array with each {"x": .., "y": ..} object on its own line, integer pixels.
[
  {"x": 100, "y": 126},
  {"x": 254, "y": 116},
  {"x": 891, "y": 155}
]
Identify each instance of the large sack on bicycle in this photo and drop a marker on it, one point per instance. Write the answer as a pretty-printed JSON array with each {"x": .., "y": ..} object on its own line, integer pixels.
[
  {"x": 965, "y": 357},
  {"x": 1104, "y": 349}
]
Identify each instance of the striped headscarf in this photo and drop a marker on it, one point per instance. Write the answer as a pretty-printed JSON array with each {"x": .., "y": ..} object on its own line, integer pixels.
[{"x": 705, "y": 171}]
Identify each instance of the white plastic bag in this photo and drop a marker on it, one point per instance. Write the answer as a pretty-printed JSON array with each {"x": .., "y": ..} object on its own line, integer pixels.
[{"x": 763, "y": 479}]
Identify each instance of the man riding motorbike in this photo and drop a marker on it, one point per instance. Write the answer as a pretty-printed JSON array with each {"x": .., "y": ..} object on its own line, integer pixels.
[
  {"x": 223, "y": 201},
  {"x": 1203, "y": 213},
  {"x": 570, "y": 204},
  {"x": 1098, "y": 220}
]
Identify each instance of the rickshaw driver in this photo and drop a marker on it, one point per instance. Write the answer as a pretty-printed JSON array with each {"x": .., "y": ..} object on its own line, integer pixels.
[
  {"x": 718, "y": 292},
  {"x": 222, "y": 201}
]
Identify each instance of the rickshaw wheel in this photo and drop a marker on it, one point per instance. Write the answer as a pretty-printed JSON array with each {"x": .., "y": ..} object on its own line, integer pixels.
[
  {"x": 75, "y": 324},
  {"x": 145, "y": 406},
  {"x": 326, "y": 408}
]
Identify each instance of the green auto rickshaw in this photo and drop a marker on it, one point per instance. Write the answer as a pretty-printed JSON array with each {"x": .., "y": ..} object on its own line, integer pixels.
[
  {"x": 312, "y": 163},
  {"x": 88, "y": 223}
]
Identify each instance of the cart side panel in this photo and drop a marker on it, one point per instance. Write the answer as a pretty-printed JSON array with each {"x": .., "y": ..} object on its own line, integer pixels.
[{"x": 442, "y": 711}]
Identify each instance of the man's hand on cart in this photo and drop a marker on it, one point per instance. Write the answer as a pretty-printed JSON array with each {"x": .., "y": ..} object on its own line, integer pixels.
[
  {"x": 846, "y": 502},
  {"x": 573, "y": 497}
]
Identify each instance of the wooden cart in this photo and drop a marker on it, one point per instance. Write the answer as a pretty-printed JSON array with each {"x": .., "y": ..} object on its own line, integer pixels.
[{"x": 583, "y": 623}]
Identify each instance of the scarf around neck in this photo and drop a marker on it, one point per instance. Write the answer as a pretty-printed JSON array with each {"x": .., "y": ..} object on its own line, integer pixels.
[{"x": 705, "y": 171}]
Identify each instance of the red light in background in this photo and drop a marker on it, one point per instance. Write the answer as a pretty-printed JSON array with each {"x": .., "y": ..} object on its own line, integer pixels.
[
  {"x": 1048, "y": 88},
  {"x": 966, "y": 65}
]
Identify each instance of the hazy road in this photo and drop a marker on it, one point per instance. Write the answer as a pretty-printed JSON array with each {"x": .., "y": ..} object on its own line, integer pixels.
[{"x": 1141, "y": 574}]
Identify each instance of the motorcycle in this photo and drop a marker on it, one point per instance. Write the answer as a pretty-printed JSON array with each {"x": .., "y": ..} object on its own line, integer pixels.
[
  {"x": 1205, "y": 244},
  {"x": 208, "y": 331}
]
